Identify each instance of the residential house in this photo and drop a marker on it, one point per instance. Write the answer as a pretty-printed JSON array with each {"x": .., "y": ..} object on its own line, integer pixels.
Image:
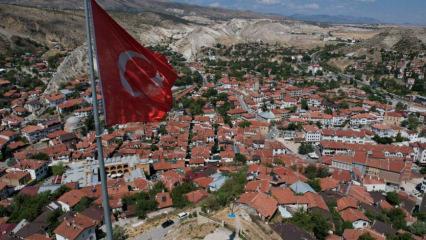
[
  {"x": 383, "y": 130},
  {"x": 373, "y": 183},
  {"x": 16, "y": 178},
  {"x": 346, "y": 136},
  {"x": 393, "y": 118},
  {"x": 312, "y": 133},
  {"x": 264, "y": 205},
  {"x": 70, "y": 199},
  {"x": 164, "y": 200},
  {"x": 356, "y": 217},
  {"x": 36, "y": 168},
  {"x": 196, "y": 196},
  {"x": 34, "y": 133},
  {"x": 76, "y": 227},
  {"x": 363, "y": 119}
]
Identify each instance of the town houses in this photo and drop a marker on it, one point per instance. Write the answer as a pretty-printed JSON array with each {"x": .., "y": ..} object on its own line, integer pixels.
[{"x": 258, "y": 145}]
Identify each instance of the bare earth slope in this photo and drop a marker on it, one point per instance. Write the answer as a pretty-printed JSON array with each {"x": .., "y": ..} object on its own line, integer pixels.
[{"x": 184, "y": 27}]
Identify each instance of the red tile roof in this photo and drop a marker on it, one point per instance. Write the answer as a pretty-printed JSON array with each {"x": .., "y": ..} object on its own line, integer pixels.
[
  {"x": 196, "y": 196},
  {"x": 264, "y": 204},
  {"x": 203, "y": 181},
  {"x": 258, "y": 186},
  {"x": 352, "y": 215},
  {"x": 284, "y": 195},
  {"x": 354, "y": 234},
  {"x": 360, "y": 194},
  {"x": 346, "y": 202},
  {"x": 37, "y": 236},
  {"x": 328, "y": 183},
  {"x": 164, "y": 200},
  {"x": 71, "y": 228},
  {"x": 72, "y": 197}
]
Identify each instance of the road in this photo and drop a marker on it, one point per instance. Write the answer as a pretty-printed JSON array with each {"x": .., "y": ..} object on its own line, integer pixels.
[
  {"x": 159, "y": 232},
  {"x": 244, "y": 104},
  {"x": 292, "y": 146},
  {"x": 156, "y": 233}
]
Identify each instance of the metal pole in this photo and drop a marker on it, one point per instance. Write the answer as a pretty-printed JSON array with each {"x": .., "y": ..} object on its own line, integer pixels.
[{"x": 105, "y": 199}]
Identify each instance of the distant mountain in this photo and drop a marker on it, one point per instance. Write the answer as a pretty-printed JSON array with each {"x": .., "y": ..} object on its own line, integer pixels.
[
  {"x": 338, "y": 19},
  {"x": 137, "y": 6}
]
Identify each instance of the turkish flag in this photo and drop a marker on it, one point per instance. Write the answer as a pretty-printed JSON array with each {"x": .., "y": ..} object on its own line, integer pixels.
[{"x": 136, "y": 82}]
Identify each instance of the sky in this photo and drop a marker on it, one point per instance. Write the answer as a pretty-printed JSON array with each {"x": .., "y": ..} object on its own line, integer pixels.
[{"x": 388, "y": 11}]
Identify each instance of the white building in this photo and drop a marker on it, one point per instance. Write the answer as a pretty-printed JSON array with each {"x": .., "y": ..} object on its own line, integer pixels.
[
  {"x": 312, "y": 134},
  {"x": 374, "y": 184}
]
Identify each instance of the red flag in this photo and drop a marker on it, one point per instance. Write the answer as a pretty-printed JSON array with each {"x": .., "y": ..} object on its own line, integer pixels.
[{"x": 136, "y": 82}]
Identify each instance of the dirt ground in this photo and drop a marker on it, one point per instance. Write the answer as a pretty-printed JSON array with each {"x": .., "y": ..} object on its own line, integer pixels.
[
  {"x": 252, "y": 229},
  {"x": 191, "y": 230}
]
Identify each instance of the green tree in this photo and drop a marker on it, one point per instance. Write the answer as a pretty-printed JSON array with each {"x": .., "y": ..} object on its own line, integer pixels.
[
  {"x": 118, "y": 233},
  {"x": 89, "y": 125},
  {"x": 312, "y": 222},
  {"x": 83, "y": 204},
  {"x": 303, "y": 220},
  {"x": 178, "y": 194},
  {"x": 53, "y": 220},
  {"x": 393, "y": 198},
  {"x": 58, "y": 170},
  {"x": 344, "y": 105},
  {"x": 162, "y": 129},
  {"x": 315, "y": 184},
  {"x": 397, "y": 218},
  {"x": 321, "y": 226},
  {"x": 400, "y": 107},
  {"x": 244, "y": 124},
  {"x": 210, "y": 93},
  {"x": 158, "y": 187},
  {"x": 399, "y": 138},
  {"x": 304, "y": 104},
  {"x": 144, "y": 204},
  {"x": 404, "y": 236},
  {"x": 382, "y": 140},
  {"x": 310, "y": 171},
  {"x": 418, "y": 228},
  {"x": 24, "y": 207},
  {"x": 366, "y": 236},
  {"x": 240, "y": 158},
  {"x": 60, "y": 191},
  {"x": 41, "y": 156},
  {"x": 306, "y": 148},
  {"x": 413, "y": 122},
  {"x": 231, "y": 189}
]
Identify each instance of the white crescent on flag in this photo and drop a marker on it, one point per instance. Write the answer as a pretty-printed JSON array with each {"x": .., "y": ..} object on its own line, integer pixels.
[{"x": 123, "y": 59}]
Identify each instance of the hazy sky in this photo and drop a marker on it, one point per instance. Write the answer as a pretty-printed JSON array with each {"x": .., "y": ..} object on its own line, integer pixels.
[{"x": 390, "y": 11}]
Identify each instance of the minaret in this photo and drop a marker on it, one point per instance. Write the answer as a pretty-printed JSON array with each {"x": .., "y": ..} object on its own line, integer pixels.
[{"x": 256, "y": 86}]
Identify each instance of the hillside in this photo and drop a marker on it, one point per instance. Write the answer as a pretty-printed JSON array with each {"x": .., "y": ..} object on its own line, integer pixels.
[
  {"x": 185, "y": 28},
  {"x": 137, "y": 6}
]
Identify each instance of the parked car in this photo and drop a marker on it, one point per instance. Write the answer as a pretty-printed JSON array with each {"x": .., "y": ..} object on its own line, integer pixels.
[
  {"x": 167, "y": 223},
  {"x": 183, "y": 215}
]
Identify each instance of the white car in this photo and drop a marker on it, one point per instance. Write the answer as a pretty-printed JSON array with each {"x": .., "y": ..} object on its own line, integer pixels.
[
  {"x": 183, "y": 215},
  {"x": 313, "y": 155}
]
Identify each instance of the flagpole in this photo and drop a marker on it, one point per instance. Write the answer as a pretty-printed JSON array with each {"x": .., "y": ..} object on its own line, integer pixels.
[{"x": 90, "y": 45}]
